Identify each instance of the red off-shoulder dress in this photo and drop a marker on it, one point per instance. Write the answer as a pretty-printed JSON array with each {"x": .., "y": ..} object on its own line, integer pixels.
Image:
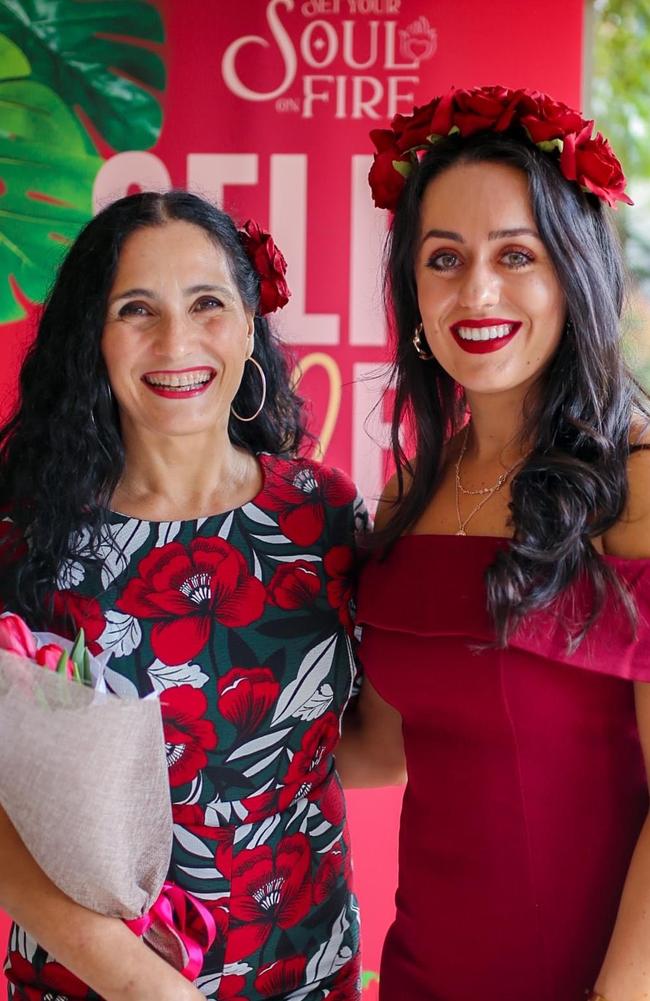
[{"x": 526, "y": 784}]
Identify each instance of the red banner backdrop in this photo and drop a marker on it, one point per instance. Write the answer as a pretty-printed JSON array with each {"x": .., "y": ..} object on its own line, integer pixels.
[{"x": 267, "y": 109}]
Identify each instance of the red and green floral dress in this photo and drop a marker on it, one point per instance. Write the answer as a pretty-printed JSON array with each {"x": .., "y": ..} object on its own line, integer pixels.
[{"x": 241, "y": 623}]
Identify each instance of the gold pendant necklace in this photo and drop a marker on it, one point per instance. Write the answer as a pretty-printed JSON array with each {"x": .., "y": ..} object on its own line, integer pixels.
[{"x": 485, "y": 493}]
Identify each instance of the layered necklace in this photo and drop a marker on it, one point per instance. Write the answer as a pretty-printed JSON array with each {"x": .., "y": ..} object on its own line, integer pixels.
[{"x": 485, "y": 493}]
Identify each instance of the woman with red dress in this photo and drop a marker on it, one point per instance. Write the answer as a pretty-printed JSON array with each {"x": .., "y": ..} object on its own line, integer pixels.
[{"x": 505, "y": 611}]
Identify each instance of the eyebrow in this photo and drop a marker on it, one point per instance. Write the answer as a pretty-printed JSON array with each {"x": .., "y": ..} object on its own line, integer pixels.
[
  {"x": 495, "y": 234},
  {"x": 133, "y": 293}
]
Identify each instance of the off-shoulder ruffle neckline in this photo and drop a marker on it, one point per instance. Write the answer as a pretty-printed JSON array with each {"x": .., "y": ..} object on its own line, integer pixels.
[
  {"x": 433, "y": 586},
  {"x": 502, "y": 540}
]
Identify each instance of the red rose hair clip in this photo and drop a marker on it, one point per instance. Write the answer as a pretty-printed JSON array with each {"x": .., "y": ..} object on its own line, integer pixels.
[
  {"x": 270, "y": 265},
  {"x": 555, "y": 128}
]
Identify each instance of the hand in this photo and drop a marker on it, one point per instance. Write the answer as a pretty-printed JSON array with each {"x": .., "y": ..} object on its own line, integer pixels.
[
  {"x": 178, "y": 990},
  {"x": 194, "y": 994}
]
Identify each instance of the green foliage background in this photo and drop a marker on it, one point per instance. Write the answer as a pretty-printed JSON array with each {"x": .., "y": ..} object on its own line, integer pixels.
[
  {"x": 620, "y": 103},
  {"x": 63, "y": 64},
  {"x": 620, "y": 91}
]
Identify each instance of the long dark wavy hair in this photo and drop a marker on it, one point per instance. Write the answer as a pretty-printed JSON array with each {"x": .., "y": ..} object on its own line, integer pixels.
[
  {"x": 572, "y": 486},
  {"x": 61, "y": 454}
]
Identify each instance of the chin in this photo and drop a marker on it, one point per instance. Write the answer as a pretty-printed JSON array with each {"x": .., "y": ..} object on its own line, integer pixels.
[
  {"x": 480, "y": 385},
  {"x": 179, "y": 428}
]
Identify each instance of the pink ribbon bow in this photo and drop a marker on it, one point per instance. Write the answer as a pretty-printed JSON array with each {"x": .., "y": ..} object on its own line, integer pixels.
[{"x": 175, "y": 908}]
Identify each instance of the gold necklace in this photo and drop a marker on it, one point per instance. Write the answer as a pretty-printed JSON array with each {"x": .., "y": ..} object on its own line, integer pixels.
[{"x": 484, "y": 492}]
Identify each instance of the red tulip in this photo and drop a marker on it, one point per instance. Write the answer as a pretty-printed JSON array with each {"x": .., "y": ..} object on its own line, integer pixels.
[
  {"x": 50, "y": 655},
  {"x": 15, "y": 637}
]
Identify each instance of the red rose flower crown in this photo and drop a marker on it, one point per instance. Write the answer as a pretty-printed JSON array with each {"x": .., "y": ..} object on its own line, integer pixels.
[
  {"x": 268, "y": 260},
  {"x": 555, "y": 128}
]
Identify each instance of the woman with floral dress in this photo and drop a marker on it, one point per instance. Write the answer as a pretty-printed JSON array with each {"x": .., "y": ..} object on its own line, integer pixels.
[{"x": 152, "y": 468}]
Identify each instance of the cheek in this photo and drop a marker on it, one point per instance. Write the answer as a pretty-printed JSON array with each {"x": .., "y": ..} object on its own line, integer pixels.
[
  {"x": 118, "y": 356},
  {"x": 109, "y": 352},
  {"x": 546, "y": 301},
  {"x": 432, "y": 301},
  {"x": 547, "y": 309}
]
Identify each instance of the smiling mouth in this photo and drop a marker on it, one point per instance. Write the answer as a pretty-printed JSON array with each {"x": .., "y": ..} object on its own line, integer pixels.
[
  {"x": 481, "y": 336},
  {"x": 484, "y": 333},
  {"x": 183, "y": 383}
]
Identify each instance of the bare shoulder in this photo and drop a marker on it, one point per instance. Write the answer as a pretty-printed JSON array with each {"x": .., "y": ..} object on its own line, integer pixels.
[
  {"x": 630, "y": 536},
  {"x": 389, "y": 498}
]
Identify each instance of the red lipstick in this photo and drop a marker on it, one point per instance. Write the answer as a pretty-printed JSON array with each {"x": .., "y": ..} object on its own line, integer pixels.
[
  {"x": 491, "y": 343},
  {"x": 179, "y": 392}
]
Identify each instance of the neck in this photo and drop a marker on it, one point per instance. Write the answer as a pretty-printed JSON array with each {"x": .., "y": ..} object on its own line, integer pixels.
[
  {"x": 189, "y": 474},
  {"x": 496, "y": 432}
]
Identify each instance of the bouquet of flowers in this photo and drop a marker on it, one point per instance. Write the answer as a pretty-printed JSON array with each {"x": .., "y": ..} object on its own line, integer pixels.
[{"x": 83, "y": 779}]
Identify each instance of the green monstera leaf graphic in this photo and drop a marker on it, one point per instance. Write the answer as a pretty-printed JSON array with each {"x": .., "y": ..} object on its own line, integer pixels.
[
  {"x": 90, "y": 53},
  {"x": 63, "y": 63},
  {"x": 12, "y": 61},
  {"x": 46, "y": 180}
]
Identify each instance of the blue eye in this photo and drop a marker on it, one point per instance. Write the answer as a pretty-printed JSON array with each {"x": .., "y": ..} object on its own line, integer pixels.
[
  {"x": 517, "y": 258},
  {"x": 444, "y": 260}
]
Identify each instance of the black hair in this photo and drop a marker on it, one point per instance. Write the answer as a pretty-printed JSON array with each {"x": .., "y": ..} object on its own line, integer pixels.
[
  {"x": 572, "y": 486},
  {"x": 61, "y": 453}
]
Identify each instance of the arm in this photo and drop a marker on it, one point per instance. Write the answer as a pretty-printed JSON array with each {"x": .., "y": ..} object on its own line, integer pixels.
[
  {"x": 86, "y": 943},
  {"x": 625, "y": 973},
  {"x": 371, "y": 749}
]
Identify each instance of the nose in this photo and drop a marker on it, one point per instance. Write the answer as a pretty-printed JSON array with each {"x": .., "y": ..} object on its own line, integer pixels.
[
  {"x": 480, "y": 287},
  {"x": 173, "y": 335}
]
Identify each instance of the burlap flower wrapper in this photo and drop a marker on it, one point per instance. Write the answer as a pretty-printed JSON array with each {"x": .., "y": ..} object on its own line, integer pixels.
[{"x": 83, "y": 778}]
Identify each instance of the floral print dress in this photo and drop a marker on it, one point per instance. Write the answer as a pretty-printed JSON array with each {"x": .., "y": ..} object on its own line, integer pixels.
[{"x": 241, "y": 623}]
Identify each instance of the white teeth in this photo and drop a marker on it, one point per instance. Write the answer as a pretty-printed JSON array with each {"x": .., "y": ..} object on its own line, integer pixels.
[
  {"x": 186, "y": 380},
  {"x": 484, "y": 333}
]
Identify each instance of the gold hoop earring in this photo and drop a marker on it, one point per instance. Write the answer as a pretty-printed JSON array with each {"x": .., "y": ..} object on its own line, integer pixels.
[
  {"x": 262, "y": 401},
  {"x": 423, "y": 353}
]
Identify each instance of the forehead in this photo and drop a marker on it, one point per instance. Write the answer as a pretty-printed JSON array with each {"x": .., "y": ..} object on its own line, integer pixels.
[
  {"x": 176, "y": 246},
  {"x": 490, "y": 195}
]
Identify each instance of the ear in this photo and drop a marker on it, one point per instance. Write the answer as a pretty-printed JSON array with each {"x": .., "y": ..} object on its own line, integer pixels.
[{"x": 250, "y": 340}]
